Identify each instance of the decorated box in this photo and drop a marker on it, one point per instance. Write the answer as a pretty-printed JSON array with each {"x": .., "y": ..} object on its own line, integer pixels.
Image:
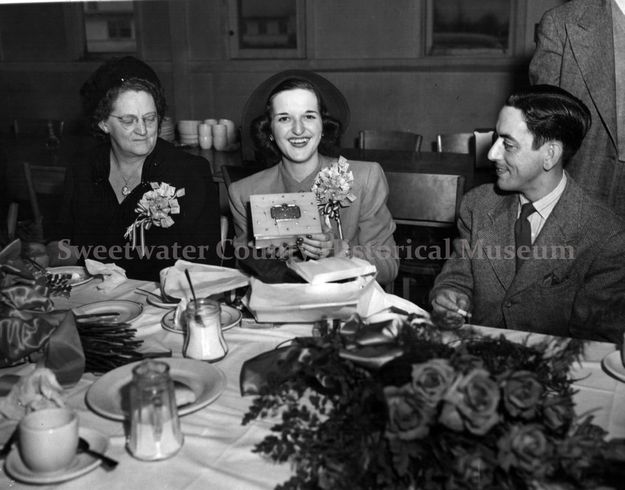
[{"x": 280, "y": 218}]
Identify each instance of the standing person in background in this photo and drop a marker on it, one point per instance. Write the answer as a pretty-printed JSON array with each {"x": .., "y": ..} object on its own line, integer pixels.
[{"x": 581, "y": 48}]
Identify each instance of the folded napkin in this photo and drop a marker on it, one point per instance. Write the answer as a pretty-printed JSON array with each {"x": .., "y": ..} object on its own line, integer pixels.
[
  {"x": 207, "y": 279},
  {"x": 377, "y": 305},
  {"x": 112, "y": 274},
  {"x": 34, "y": 391}
]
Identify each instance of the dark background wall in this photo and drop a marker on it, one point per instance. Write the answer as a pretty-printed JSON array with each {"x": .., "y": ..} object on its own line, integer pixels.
[{"x": 371, "y": 49}]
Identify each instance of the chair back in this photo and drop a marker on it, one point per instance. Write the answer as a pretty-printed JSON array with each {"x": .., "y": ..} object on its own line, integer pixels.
[
  {"x": 455, "y": 142},
  {"x": 484, "y": 139},
  {"x": 429, "y": 200},
  {"x": 38, "y": 127},
  {"x": 43, "y": 180},
  {"x": 373, "y": 139},
  {"x": 38, "y": 181}
]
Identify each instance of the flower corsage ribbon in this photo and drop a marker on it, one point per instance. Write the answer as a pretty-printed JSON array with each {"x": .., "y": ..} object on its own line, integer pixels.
[
  {"x": 332, "y": 188},
  {"x": 154, "y": 209}
]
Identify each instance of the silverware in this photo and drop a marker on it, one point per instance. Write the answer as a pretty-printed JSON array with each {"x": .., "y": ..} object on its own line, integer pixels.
[
  {"x": 107, "y": 463},
  {"x": 6, "y": 449},
  {"x": 37, "y": 265},
  {"x": 166, "y": 299},
  {"x": 96, "y": 315}
]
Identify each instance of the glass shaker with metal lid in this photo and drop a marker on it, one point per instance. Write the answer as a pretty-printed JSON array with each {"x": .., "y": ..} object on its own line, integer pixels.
[
  {"x": 204, "y": 337},
  {"x": 154, "y": 425}
]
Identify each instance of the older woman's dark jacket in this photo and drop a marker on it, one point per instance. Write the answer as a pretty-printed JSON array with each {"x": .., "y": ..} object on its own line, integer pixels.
[{"x": 94, "y": 221}]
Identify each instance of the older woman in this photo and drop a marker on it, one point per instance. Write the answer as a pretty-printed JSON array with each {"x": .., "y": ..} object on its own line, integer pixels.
[
  {"x": 297, "y": 131},
  {"x": 125, "y": 101}
]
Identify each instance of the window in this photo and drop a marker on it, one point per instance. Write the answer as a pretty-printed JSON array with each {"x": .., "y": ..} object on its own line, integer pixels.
[
  {"x": 467, "y": 27},
  {"x": 110, "y": 27},
  {"x": 261, "y": 29}
]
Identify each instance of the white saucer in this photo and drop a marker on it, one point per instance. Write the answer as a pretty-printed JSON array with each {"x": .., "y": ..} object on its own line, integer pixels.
[
  {"x": 230, "y": 317},
  {"x": 613, "y": 364},
  {"x": 82, "y": 463}
]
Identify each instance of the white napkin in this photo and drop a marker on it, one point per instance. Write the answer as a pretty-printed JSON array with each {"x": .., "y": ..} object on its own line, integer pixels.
[
  {"x": 112, "y": 274},
  {"x": 375, "y": 301},
  {"x": 35, "y": 391},
  {"x": 207, "y": 279}
]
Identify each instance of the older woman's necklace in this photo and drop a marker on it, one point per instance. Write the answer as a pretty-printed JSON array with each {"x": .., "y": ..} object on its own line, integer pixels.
[
  {"x": 128, "y": 181},
  {"x": 126, "y": 186}
]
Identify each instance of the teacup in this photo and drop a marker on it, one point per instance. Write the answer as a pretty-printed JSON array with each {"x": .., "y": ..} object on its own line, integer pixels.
[{"x": 48, "y": 439}]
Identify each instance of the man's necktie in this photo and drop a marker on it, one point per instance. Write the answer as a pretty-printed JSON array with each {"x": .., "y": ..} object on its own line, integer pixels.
[{"x": 523, "y": 231}]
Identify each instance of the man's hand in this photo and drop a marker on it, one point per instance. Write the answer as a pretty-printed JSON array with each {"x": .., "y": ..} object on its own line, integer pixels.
[{"x": 451, "y": 308}]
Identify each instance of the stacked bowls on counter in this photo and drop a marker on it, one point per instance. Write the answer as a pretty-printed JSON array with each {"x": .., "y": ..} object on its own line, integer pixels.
[
  {"x": 220, "y": 134},
  {"x": 188, "y": 132}
]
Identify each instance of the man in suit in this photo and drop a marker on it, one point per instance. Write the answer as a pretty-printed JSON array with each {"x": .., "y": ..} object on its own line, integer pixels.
[
  {"x": 581, "y": 48},
  {"x": 561, "y": 269}
]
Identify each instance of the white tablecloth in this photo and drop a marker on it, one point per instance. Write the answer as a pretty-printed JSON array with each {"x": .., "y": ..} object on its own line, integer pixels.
[{"x": 217, "y": 451}]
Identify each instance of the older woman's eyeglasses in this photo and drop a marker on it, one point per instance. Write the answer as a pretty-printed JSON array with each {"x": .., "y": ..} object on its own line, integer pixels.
[{"x": 130, "y": 121}]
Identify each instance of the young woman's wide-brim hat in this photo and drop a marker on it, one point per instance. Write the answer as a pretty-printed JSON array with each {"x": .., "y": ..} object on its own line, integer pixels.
[{"x": 335, "y": 102}]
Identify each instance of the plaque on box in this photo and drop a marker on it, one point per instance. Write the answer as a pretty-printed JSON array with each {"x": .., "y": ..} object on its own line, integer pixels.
[{"x": 281, "y": 218}]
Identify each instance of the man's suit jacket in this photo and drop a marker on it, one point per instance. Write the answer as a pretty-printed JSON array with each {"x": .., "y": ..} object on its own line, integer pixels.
[
  {"x": 583, "y": 296},
  {"x": 575, "y": 51},
  {"x": 367, "y": 222}
]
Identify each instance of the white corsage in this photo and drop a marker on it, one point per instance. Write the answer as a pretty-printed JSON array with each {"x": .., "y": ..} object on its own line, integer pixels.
[
  {"x": 154, "y": 209},
  {"x": 332, "y": 188}
]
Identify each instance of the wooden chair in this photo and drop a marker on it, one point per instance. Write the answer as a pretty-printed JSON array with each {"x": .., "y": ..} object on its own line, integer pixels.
[
  {"x": 39, "y": 181},
  {"x": 49, "y": 129},
  {"x": 455, "y": 142},
  {"x": 484, "y": 139},
  {"x": 373, "y": 139},
  {"x": 426, "y": 207}
]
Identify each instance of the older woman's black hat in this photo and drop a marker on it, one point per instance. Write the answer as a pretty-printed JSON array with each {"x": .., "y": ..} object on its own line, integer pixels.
[{"x": 112, "y": 74}]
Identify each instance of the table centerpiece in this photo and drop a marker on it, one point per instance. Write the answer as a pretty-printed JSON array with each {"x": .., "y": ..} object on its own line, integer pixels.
[{"x": 451, "y": 410}]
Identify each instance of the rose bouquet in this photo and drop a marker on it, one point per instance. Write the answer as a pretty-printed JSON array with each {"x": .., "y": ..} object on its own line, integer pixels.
[
  {"x": 332, "y": 188},
  {"x": 154, "y": 209},
  {"x": 448, "y": 413}
]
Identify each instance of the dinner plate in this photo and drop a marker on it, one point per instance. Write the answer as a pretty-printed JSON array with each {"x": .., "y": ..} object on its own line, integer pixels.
[
  {"x": 230, "y": 317},
  {"x": 79, "y": 274},
  {"x": 107, "y": 396},
  {"x": 128, "y": 310},
  {"x": 82, "y": 463},
  {"x": 613, "y": 364}
]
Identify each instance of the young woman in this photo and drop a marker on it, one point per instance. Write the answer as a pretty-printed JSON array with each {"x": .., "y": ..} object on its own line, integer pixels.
[{"x": 296, "y": 132}]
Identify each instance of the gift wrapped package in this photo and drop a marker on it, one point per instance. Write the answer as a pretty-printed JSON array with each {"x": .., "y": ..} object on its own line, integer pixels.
[
  {"x": 30, "y": 329},
  {"x": 298, "y": 303}
]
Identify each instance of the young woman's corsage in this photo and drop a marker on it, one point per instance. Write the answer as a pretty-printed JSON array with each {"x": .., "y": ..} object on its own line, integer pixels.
[
  {"x": 154, "y": 209},
  {"x": 332, "y": 188}
]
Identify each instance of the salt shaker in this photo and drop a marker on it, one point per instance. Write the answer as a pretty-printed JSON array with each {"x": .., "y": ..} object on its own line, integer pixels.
[
  {"x": 154, "y": 425},
  {"x": 205, "y": 340}
]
